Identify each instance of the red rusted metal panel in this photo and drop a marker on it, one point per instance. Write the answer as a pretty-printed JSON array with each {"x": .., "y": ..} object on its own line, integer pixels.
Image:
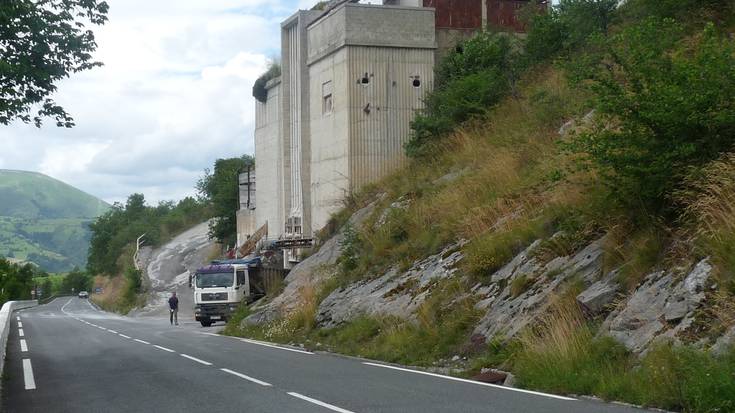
[
  {"x": 504, "y": 13},
  {"x": 457, "y": 14}
]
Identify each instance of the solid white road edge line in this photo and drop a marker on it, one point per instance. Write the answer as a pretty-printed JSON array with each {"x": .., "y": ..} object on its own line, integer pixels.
[
  {"x": 123, "y": 336},
  {"x": 319, "y": 403},
  {"x": 23, "y": 346},
  {"x": 20, "y": 333},
  {"x": 248, "y": 378},
  {"x": 479, "y": 383},
  {"x": 164, "y": 348},
  {"x": 206, "y": 363},
  {"x": 260, "y": 343},
  {"x": 141, "y": 341},
  {"x": 30, "y": 383}
]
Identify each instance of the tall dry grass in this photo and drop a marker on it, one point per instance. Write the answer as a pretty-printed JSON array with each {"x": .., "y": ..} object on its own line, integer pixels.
[{"x": 708, "y": 198}]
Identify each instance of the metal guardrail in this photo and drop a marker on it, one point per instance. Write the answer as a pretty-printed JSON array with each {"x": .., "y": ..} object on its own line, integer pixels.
[{"x": 52, "y": 298}]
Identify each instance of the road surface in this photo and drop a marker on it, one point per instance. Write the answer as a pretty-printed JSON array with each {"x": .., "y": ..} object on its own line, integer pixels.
[{"x": 67, "y": 356}]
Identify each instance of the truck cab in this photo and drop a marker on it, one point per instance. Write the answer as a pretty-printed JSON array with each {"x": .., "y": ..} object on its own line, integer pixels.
[{"x": 220, "y": 287}]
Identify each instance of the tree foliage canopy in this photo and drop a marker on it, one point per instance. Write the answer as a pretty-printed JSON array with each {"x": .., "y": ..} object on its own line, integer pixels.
[
  {"x": 664, "y": 106},
  {"x": 42, "y": 42},
  {"x": 16, "y": 281},
  {"x": 123, "y": 224},
  {"x": 221, "y": 189}
]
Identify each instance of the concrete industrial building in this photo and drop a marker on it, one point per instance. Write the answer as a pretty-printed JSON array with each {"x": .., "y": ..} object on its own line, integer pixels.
[{"x": 338, "y": 116}]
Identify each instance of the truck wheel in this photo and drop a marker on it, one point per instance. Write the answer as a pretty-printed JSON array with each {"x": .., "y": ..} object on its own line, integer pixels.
[{"x": 206, "y": 323}]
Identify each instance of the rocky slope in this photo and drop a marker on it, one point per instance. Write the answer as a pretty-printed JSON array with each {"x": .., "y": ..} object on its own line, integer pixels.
[
  {"x": 167, "y": 270},
  {"x": 668, "y": 304}
]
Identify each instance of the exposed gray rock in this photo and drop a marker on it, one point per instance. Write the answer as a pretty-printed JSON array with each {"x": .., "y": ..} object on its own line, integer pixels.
[
  {"x": 725, "y": 342},
  {"x": 600, "y": 294},
  {"x": 309, "y": 273},
  {"x": 658, "y": 303},
  {"x": 506, "y": 316},
  {"x": 391, "y": 294}
]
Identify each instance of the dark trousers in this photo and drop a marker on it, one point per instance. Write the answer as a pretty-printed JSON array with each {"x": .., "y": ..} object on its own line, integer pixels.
[{"x": 174, "y": 315}]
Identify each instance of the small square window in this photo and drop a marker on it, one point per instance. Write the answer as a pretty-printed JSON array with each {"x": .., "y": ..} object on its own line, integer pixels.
[{"x": 327, "y": 104}]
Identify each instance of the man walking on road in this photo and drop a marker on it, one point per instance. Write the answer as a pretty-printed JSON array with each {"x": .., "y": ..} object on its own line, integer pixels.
[{"x": 173, "y": 305}]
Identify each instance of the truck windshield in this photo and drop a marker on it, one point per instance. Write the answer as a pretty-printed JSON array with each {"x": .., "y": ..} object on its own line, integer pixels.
[{"x": 223, "y": 279}]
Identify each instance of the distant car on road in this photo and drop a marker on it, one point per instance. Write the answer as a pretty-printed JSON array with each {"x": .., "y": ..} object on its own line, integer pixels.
[{"x": 83, "y": 294}]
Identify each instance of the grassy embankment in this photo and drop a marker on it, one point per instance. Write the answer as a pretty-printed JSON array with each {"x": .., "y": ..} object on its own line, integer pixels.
[{"x": 518, "y": 181}]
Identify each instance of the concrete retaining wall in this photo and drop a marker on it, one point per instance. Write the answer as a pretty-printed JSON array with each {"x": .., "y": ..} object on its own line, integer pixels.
[{"x": 6, "y": 314}]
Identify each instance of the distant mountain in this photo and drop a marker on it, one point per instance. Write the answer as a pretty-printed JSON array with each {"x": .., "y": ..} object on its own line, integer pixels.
[{"x": 44, "y": 220}]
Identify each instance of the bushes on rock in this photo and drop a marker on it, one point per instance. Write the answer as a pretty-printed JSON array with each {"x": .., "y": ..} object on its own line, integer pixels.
[{"x": 664, "y": 106}]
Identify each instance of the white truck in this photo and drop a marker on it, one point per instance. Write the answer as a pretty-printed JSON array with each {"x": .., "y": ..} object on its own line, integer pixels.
[{"x": 222, "y": 286}]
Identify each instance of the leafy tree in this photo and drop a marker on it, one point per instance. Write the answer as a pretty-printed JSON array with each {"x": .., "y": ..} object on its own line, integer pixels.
[
  {"x": 566, "y": 27},
  {"x": 469, "y": 81},
  {"x": 221, "y": 189},
  {"x": 76, "y": 281},
  {"x": 119, "y": 227},
  {"x": 42, "y": 42},
  {"x": 664, "y": 106},
  {"x": 16, "y": 281}
]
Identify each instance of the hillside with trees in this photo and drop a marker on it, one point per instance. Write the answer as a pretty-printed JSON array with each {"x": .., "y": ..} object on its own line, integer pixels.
[
  {"x": 590, "y": 158},
  {"x": 45, "y": 221}
]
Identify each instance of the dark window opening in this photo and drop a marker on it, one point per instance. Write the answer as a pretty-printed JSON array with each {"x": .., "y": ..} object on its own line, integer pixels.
[{"x": 416, "y": 82}]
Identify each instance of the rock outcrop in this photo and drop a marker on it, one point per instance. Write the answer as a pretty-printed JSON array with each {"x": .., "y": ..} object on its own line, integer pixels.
[
  {"x": 391, "y": 294},
  {"x": 663, "y": 306},
  {"x": 310, "y": 273}
]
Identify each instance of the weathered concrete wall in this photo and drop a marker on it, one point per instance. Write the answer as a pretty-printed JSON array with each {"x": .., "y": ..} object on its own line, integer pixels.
[
  {"x": 329, "y": 137},
  {"x": 367, "y": 25},
  {"x": 377, "y": 64},
  {"x": 246, "y": 225},
  {"x": 295, "y": 119},
  {"x": 269, "y": 164},
  {"x": 381, "y": 111}
]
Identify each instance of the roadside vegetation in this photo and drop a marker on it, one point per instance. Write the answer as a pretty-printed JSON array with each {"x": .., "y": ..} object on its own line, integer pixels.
[
  {"x": 114, "y": 234},
  {"x": 644, "y": 91}
]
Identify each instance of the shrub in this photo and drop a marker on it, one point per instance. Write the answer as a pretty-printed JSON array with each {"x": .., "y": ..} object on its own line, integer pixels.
[
  {"x": 460, "y": 100},
  {"x": 260, "y": 93},
  {"x": 661, "y": 109},
  {"x": 566, "y": 27},
  {"x": 468, "y": 81}
]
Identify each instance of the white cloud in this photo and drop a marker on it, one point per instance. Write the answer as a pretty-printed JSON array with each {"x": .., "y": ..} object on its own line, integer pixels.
[{"x": 173, "y": 96}]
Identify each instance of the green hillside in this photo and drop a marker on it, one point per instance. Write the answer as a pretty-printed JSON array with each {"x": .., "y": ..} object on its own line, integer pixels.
[
  {"x": 32, "y": 195},
  {"x": 44, "y": 220}
]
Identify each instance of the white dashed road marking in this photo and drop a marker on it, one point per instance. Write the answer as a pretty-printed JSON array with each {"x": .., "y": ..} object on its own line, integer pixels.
[
  {"x": 20, "y": 325},
  {"x": 30, "y": 383},
  {"x": 23, "y": 346},
  {"x": 206, "y": 363},
  {"x": 248, "y": 378},
  {"x": 124, "y": 336},
  {"x": 164, "y": 348},
  {"x": 112, "y": 331},
  {"x": 141, "y": 341},
  {"x": 319, "y": 403},
  {"x": 21, "y": 333},
  {"x": 479, "y": 383}
]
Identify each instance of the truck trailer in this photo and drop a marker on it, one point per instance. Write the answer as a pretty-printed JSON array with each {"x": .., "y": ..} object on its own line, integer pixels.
[{"x": 219, "y": 288}]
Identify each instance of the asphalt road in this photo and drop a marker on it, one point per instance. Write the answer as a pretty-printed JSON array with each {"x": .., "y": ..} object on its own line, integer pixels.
[{"x": 74, "y": 358}]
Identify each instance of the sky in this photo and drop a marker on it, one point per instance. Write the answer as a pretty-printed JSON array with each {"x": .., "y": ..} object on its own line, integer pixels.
[{"x": 174, "y": 95}]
